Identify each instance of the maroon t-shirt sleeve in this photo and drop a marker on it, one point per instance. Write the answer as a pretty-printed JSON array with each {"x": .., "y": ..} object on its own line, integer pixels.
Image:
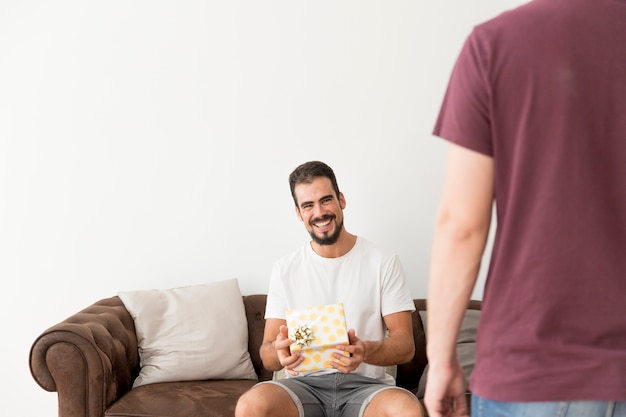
[{"x": 464, "y": 115}]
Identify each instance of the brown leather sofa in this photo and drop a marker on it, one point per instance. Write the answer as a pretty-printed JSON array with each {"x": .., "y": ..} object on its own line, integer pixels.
[{"x": 91, "y": 360}]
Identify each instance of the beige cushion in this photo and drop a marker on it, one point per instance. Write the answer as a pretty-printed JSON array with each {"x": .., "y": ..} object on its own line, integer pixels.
[
  {"x": 191, "y": 333},
  {"x": 465, "y": 347}
]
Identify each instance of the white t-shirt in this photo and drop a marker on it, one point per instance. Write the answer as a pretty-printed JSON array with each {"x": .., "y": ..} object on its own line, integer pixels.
[{"x": 369, "y": 281}]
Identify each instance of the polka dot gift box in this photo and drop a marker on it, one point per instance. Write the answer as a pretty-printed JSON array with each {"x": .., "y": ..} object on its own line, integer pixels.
[{"x": 315, "y": 331}]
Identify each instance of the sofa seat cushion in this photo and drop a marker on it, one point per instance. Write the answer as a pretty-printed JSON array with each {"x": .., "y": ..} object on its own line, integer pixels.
[{"x": 213, "y": 398}]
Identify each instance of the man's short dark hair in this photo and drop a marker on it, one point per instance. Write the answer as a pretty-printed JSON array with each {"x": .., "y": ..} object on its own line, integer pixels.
[{"x": 307, "y": 172}]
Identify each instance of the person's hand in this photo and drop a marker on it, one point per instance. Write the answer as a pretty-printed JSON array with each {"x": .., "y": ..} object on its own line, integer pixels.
[
  {"x": 286, "y": 358},
  {"x": 356, "y": 349},
  {"x": 445, "y": 391}
]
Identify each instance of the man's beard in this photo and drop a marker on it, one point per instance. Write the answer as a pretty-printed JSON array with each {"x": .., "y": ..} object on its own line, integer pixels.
[{"x": 327, "y": 240}]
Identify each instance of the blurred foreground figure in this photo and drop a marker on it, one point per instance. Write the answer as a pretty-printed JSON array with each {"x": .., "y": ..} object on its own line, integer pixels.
[{"x": 535, "y": 113}]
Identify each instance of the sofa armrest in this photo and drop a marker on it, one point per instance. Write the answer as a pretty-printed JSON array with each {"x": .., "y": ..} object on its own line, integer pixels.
[{"x": 90, "y": 359}]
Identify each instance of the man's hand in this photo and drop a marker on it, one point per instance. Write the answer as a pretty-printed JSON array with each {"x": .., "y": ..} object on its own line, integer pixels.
[
  {"x": 285, "y": 357},
  {"x": 445, "y": 392},
  {"x": 356, "y": 349}
]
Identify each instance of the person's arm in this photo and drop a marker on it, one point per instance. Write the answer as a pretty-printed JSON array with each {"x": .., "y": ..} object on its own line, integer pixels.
[
  {"x": 398, "y": 348},
  {"x": 274, "y": 351},
  {"x": 461, "y": 232}
]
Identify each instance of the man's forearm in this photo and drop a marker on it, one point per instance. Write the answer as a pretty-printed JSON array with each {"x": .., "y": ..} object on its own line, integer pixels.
[
  {"x": 456, "y": 257},
  {"x": 391, "y": 351},
  {"x": 269, "y": 357}
]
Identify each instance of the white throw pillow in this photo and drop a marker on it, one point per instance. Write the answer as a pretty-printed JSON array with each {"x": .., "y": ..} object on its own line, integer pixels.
[{"x": 191, "y": 333}]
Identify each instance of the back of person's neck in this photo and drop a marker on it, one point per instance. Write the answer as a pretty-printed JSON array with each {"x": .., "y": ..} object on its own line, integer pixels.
[{"x": 343, "y": 245}]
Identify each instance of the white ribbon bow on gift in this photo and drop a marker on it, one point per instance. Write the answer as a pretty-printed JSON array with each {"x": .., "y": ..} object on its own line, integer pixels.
[{"x": 302, "y": 335}]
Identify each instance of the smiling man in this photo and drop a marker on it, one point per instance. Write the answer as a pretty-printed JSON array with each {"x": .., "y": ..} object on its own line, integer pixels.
[{"x": 335, "y": 267}]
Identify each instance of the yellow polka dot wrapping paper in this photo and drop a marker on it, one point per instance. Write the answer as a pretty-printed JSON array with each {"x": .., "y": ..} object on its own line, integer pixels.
[{"x": 315, "y": 332}]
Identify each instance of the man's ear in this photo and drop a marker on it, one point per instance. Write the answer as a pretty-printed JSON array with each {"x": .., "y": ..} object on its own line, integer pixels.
[
  {"x": 342, "y": 201},
  {"x": 298, "y": 213}
]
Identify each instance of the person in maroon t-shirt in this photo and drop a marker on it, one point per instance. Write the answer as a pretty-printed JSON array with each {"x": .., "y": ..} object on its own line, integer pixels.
[{"x": 535, "y": 113}]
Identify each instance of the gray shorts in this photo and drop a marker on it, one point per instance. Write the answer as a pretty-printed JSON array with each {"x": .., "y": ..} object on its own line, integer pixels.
[{"x": 332, "y": 395}]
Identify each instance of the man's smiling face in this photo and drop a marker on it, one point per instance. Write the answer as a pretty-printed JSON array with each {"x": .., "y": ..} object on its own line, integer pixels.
[{"x": 320, "y": 209}]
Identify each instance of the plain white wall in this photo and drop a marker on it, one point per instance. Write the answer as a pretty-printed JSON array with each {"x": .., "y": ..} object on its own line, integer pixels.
[{"x": 147, "y": 144}]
